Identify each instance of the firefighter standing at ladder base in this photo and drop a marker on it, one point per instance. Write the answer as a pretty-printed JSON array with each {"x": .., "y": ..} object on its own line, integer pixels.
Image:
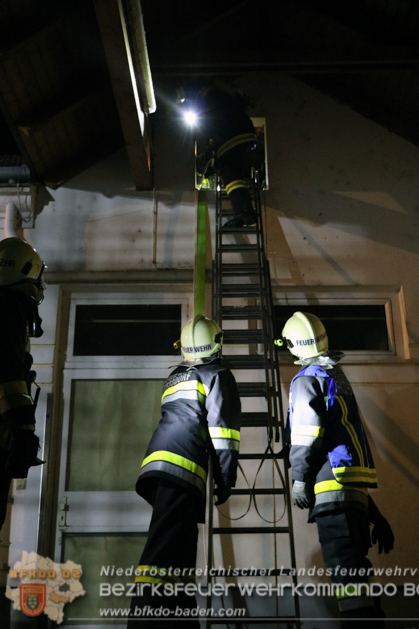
[
  {"x": 21, "y": 292},
  {"x": 224, "y": 134},
  {"x": 201, "y": 414},
  {"x": 332, "y": 468}
]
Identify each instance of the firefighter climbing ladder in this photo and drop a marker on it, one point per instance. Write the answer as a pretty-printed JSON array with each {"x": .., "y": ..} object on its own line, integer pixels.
[{"x": 242, "y": 305}]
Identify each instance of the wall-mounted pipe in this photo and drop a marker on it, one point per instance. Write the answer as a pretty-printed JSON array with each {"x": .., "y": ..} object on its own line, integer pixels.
[
  {"x": 12, "y": 221},
  {"x": 12, "y": 175}
]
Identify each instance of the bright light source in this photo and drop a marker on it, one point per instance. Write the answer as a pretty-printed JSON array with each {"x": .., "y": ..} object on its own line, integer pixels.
[{"x": 190, "y": 117}]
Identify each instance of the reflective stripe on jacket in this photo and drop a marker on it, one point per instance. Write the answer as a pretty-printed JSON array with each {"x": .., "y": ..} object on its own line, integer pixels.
[
  {"x": 223, "y": 120},
  {"x": 328, "y": 441},
  {"x": 243, "y": 138},
  {"x": 154, "y": 574},
  {"x": 198, "y": 402}
]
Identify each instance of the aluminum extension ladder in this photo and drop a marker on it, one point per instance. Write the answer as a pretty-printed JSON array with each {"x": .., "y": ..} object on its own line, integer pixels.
[{"x": 242, "y": 305}]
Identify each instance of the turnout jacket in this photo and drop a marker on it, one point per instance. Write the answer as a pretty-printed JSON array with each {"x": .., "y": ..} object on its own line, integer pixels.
[
  {"x": 200, "y": 402},
  {"x": 16, "y": 407},
  {"x": 329, "y": 447},
  {"x": 223, "y": 123}
]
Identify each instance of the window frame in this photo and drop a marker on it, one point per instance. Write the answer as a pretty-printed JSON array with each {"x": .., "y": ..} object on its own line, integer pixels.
[
  {"x": 391, "y": 297},
  {"x": 114, "y": 298}
]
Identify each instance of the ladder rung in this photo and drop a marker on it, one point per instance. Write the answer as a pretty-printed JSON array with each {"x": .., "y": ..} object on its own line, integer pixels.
[
  {"x": 239, "y": 247},
  {"x": 257, "y": 456},
  {"x": 245, "y": 361},
  {"x": 250, "y": 530},
  {"x": 241, "y": 312},
  {"x": 246, "y": 229},
  {"x": 252, "y": 389},
  {"x": 258, "y": 492},
  {"x": 240, "y": 290},
  {"x": 242, "y": 336},
  {"x": 242, "y": 268},
  {"x": 255, "y": 420}
]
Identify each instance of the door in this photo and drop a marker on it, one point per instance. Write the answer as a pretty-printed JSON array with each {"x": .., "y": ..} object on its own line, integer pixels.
[{"x": 111, "y": 408}]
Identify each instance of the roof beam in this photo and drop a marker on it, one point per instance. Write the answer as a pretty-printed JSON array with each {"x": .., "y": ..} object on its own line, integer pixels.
[{"x": 122, "y": 55}]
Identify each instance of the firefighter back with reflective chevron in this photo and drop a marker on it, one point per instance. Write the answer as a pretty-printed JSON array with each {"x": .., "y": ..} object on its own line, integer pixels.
[
  {"x": 200, "y": 401},
  {"x": 329, "y": 444},
  {"x": 333, "y": 468}
]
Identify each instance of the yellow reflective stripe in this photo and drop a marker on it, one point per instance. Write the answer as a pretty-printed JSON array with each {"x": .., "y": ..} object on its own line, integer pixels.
[
  {"x": 233, "y": 185},
  {"x": 238, "y": 139},
  {"x": 160, "y": 575},
  {"x": 355, "y": 474},
  {"x": 10, "y": 388},
  {"x": 176, "y": 459},
  {"x": 345, "y": 591},
  {"x": 144, "y": 579},
  {"x": 224, "y": 433},
  {"x": 350, "y": 429},
  {"x": 333, "y": 485},
  {"x": 308, "y": 430},
  {"x": 187, "y": 385}
]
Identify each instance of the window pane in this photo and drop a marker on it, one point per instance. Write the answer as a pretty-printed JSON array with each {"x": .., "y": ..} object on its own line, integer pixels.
[
  {"x": 127, "y": 330},
  {"x": 100, "y": 558},
  {"x": 111, "y": 422},
  {"x": 349, "y": 328}
]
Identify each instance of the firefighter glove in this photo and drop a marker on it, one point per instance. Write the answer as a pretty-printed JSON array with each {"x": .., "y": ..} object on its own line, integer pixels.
[
  {"x": 303, "y": 494},
  {"x": 382, "y": 534},
  {"x": 23, "y": 453},
  {"x": 222, "y": 494}
]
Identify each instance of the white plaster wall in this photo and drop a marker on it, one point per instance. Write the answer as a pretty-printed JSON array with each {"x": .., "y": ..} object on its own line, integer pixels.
[{"x": 343, "y": 200}]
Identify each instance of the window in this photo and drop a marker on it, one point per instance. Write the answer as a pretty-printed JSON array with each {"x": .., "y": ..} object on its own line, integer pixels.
[
  {"x": 121, "y": 328},
  {"x": 349, "y": 327},
  {"x": 126, "y": 330},
  {"x": 367, "y": 323}
]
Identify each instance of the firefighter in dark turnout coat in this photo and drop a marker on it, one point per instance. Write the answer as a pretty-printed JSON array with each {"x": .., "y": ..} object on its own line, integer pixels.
[
  {"x": 201, "y": 414},
  {"x": 21, "y": 291},
  {"x": 333, "y": 468},
  {"x": 224, "y": 134}
]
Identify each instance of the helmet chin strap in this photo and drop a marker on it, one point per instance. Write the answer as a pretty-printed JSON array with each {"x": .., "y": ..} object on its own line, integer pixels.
[
  {"x": 199, "y": 361},
  {"x": 327, "y": 360}
]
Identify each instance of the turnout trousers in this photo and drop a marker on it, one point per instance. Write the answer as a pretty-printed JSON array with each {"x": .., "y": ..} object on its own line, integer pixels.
[
  {"x": 232, "y": 174},
  {"x": 345, "y": 540},
  {"x": 168, "y": 559}
]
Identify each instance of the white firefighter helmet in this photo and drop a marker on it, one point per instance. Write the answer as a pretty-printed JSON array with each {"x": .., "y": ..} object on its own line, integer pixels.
[
  {"x": 305, "y": 335},
  {"x": 21, "y": 266},
  {"x": 201, "y": 337}
]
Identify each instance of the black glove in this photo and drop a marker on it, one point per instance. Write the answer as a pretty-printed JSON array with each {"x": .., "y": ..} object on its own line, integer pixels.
[
  {"x": 382, "y": 534},
  {"x": 23, "y": 453},
  {"x": 222, "y": 493},
  {"x": 303, "y": 494}
]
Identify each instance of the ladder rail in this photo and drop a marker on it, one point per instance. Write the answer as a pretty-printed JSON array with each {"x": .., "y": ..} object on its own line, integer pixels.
[{"x": 268, "y": 363}]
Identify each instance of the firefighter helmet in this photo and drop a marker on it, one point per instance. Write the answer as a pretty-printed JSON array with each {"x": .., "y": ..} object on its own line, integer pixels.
[
  {"x": 21, "y": 266},
  {"x": 305, "y": 335},
  {"x": 201, "y": 337}
]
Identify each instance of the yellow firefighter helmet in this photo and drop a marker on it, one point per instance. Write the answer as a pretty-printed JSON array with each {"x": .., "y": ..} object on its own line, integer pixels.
[
  {"x": 21, "y": 264},
  {"x": 201, "y": 337},
  {"x": 305, "y": 335}
]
